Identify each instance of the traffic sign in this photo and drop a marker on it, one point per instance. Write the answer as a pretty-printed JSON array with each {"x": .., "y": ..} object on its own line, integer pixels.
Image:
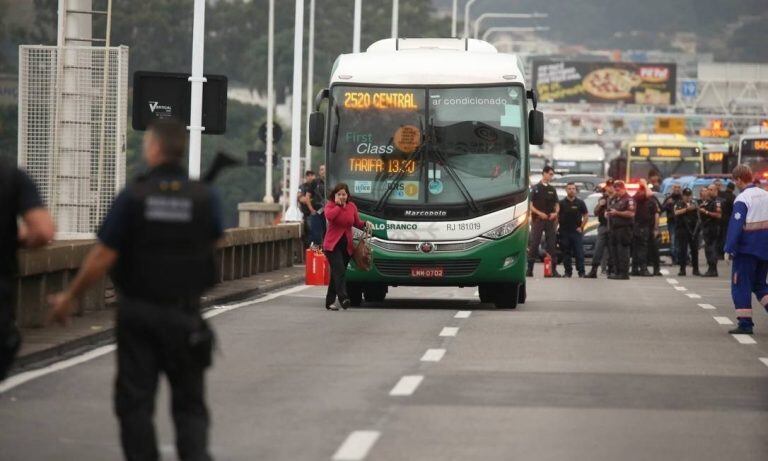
[
  {"x": 277, "y": 132},
  {"x": 689, "y": 89}
]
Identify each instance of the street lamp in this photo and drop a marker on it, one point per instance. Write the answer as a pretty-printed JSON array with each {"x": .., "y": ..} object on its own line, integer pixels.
[
  {"x": 505, "y": 15},
  {"x": 197, "y": 79},
  {"x": 268, "y": 198},
  {"x": 356, "y": 27},
  {"x": 466, "y": 17},
  {"x": 293, "y": 214},
  {"x": 395, "y": 17},
  {"x": 493, "y": 30},
  {"x": 310, "y": 80}
]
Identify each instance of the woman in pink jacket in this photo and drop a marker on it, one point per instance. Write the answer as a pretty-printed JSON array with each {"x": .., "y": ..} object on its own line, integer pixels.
[{"x": 341, "y": 215}]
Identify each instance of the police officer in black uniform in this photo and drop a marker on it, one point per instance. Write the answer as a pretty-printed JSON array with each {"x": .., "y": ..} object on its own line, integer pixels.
[
  {"x": 573, "y": 219},
  {"x": 159, "y": 236},
  {"x": 19, "y": 198},
  {"x": 711, "y": 212},
  {"x": 687, "y": 232},
  {"x": 621, "y": 215},
  {"x": 544, "y": 212},
  {"x": 602, "y": 244},
  {"x": 668, "y": 206},
  {"x": 643, "y": 227}
]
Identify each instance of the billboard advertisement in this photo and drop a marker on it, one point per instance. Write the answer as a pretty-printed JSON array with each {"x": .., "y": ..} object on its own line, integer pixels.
[{"x": 605, "y": 82}]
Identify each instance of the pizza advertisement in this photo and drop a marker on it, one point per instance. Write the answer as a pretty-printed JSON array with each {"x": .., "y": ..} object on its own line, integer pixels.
[{"x": 605, "y": 82}]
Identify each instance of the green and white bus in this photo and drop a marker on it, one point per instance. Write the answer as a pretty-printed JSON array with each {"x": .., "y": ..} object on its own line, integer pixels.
[{"x": 432, "y": 137}]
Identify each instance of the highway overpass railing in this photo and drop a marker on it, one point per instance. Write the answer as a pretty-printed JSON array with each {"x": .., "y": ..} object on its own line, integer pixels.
[{"x": 242, "y": 253}]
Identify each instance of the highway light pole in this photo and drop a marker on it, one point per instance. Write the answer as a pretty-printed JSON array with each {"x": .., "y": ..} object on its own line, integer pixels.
[
  {"x": 196, "y": 104},
  {"x": 454, "y": 12},
  {"x": 356, "y": 27},
  {"x": 310, "y": 80},
  {"x": 485, "y": 16},
  {"x": 395, "y": 17},
  {"x": 270, "y": 151},
  {"x": 293, "y": 214},
  {"x": 466, "y": 17}
]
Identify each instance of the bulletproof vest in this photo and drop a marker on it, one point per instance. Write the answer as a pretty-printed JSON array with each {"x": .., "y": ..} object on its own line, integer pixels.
[
  {"x": 620, "y": 204},
  {"x": 170, "y": 254},
  {"x": 688, "y": 220}
]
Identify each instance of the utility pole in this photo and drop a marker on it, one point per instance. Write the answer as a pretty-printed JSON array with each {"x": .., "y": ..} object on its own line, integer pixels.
[
  {"x": 196, "y": 106},
  {"x": 268, "y": 198},
  {"x": 310, "y": 80},
  {"x": 395, "y": 17},
  {"x": 356, "y": 27},
  {"x": 454, "y": 12},
  {"x": 293, "y": 214},
  {"x": 467, "y": 6}
]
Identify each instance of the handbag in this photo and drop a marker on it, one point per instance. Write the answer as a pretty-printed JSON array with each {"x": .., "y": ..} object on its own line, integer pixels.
[{"x": 362, "y": 254}]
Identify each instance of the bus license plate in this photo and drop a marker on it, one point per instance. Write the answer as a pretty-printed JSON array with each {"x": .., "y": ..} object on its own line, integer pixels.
[{"x": 427, "y": 272}]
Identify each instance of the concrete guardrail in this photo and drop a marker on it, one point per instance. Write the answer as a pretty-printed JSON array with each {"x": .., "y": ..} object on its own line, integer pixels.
[{"x": 242, "y": 253}]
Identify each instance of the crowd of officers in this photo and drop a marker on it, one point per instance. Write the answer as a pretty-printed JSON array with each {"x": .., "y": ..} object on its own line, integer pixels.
[{"x": 628, "y": 232}]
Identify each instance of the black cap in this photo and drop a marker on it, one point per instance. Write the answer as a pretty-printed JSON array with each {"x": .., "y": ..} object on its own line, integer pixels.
[{"x": 687, "y": 191}]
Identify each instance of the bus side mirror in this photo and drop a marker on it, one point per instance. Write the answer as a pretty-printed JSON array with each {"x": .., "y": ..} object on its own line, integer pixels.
[
  {"x": 536, "y": 127},
  {"x": 316, "y": 129}
]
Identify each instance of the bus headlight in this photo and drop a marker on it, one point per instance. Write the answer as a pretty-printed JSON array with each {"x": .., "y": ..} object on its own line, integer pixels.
[{"x": 506, "y": 228}]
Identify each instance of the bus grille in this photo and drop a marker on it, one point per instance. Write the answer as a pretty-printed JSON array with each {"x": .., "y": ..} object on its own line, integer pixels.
[{"x": 452, "y": 267}]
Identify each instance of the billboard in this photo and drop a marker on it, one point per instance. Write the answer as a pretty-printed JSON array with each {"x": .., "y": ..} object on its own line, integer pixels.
[{"x": 605, "y": 82}]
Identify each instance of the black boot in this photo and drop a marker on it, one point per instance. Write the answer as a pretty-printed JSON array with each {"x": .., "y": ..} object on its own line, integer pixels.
[
  {"x": 592, "y": 274},
  {"x": 529, "y": 272},
  {"x": 682, "y": 271},
  {"x": 696, "y": 271}
]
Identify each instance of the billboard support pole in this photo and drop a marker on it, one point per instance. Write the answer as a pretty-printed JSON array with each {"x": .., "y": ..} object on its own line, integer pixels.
[{"x": 196, "y": 104}]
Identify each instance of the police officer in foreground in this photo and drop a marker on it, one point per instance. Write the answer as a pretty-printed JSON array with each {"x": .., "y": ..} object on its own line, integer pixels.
[
  {"x": 687, "y": 232},
  {"x": 544, "y": 212},
  {"x": 159, "y": 238},
  {"x": 19, "y": 198},
  {"x": 621, "y": 215},
  {"x": 573, "y": 219},
  {"x": 602, "y": 243},
  {"x": 747, "y": 244},
  {"x": 711, "y": 213}
]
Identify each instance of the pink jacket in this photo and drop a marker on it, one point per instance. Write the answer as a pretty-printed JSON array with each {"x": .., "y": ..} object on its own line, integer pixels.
[{"x": 340, "y": 222}]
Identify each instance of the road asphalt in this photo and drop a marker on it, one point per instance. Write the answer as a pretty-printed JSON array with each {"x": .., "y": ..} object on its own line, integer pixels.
[{"x": 586, "y": 370}]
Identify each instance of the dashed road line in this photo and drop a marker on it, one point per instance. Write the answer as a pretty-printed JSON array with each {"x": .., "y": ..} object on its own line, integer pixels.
[
  {"x": 723, "y": 320},
  {"x": 462, "y": 314},
  {"x": 433, "y": 355},
  {"x": 744, "y": 339},
  {"x": 707, "y": 306},
  {"x": 679, "y": 288},
  {"x": 356, "y": 446},
  {"x": 764, "y": 360},
  {"x": 449, "y": 331},
  {"x": 406, "y": 386},
  {"x": 693, "y": 295},
  {"x": 672, "y": 281}
]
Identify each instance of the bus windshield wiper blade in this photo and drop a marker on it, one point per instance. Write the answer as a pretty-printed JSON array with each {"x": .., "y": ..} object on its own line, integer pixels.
[
  {"x": 459, "y": 183},
  {"x": 398, "y": 178}
]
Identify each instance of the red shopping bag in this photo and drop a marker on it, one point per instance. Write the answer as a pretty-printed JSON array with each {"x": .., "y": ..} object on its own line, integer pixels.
[{"x": 316, "y": 271}]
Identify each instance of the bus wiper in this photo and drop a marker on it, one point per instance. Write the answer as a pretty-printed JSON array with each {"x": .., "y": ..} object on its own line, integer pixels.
[
  {"x": 459, "y": 183},
  {"x": 679, "y": 164},
  {"x": 335, "y": 137}
]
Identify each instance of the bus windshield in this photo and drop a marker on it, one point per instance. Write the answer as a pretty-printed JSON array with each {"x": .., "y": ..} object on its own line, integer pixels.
[
  {"x": 754, "y": 152},
  {"x": 421, "y": 146}
]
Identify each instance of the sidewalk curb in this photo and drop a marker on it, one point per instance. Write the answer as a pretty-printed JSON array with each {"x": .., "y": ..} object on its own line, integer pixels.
[{"x": 79, "y": 345}]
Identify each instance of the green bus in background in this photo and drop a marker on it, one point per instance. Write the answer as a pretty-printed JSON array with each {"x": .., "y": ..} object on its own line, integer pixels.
[{"x": 432, "y": 137}]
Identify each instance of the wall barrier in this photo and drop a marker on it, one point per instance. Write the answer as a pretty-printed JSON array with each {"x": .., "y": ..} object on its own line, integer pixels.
[{"x": 242, "y": 253}]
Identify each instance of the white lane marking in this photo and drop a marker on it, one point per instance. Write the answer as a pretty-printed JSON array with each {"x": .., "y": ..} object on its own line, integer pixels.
[
  {"x": 672, "y": 281},
  {"x": 433, "y": 355},
  {"x": 476, "y": 293},
  {"x": 449, "y": 331},
  {"x": 679, "y": 288},
  {"x": 723, "y": 320},
  {"x": 407, "y": 385},
  {"x": 693, "y": 295},
  {"x": 764, "y": 360},
  {"x": 707, "y": 306},
  {"x": 21, "y": 378},
  {"x": 462, "y": 314},
  {"x": 744, "y": 339},
  {"x": 664, "y": 272},
  {"x": 356, "y": 446}
]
